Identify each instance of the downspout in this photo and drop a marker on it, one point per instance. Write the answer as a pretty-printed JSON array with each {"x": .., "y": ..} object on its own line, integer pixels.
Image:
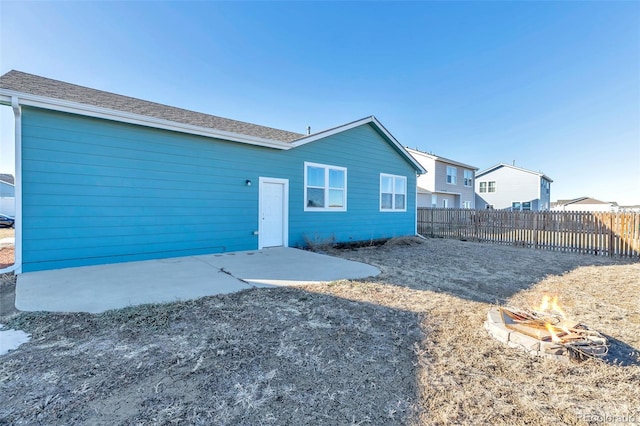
[
  {"x": 416, "y": 214},
  {"x": 17, "y": 263}
]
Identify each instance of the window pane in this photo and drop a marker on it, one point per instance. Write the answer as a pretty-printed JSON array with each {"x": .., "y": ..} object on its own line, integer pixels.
[
  {"x": 399, "y": 184},
  {"x": 315, "y": 176},
  {"x": 336, "y": 198},
  {"x": 451, "y": 174},
  {"x": 385, "y": 201},
  {"x": 386, "y": 184},
  {"x": 336, "y": 178},
  {"x": 399, "y": 201},
  {"x": 315, "y": 197}
]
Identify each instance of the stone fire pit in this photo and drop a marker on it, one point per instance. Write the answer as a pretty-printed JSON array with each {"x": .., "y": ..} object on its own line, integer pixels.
[{"x": 546, "y": 334}]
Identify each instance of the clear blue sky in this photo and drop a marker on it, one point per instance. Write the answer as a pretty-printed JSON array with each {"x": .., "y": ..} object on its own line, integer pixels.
[{"x": 554, "y": 87}]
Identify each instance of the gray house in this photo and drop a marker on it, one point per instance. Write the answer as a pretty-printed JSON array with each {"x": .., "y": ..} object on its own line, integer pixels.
[
  {"x": 509, "y": 187},
  {"x": 447, "y": 183},
  {"x": 7, "y": 195}
]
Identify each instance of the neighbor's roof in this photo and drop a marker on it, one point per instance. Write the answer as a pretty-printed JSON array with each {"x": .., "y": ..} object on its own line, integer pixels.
[
  {"x": 41, "y": 86},
  {"x": 417, "y": 152},
  {"x": 8, "y": 178},
  {"x": 499, "y": 165},
  {"x": 582, "y": 200}
]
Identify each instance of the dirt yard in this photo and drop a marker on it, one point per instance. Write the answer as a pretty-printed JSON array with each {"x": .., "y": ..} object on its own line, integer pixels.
[
  {"x": 6, "y": 252},
  {"x": 407, "y": 347}
]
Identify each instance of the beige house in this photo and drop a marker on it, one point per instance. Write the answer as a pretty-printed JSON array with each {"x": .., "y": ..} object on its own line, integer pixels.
[
  {"x": 447, "y": 183},
  {"x": 584, "y": 204}
]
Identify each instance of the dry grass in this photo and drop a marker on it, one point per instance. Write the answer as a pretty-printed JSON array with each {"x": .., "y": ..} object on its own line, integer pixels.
[
  {"x": 6, "y": 257},
  {"x": 405, "y": 348},
  {"x": 6, "y": 252},
  {"x": 467, "y": 377}
]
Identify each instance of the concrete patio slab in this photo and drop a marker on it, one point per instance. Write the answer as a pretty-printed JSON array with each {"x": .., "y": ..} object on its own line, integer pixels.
[{"x": 99, "y": 288}]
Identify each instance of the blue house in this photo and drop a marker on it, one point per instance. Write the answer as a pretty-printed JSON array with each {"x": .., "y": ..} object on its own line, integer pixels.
[{"x": 104, "y": 178}]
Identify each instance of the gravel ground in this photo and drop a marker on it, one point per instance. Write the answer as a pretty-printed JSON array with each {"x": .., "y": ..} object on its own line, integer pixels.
[{"x": 407, "y": 347}]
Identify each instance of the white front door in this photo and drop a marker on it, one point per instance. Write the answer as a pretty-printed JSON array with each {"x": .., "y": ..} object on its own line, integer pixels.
[{"x": 274, "y": 202}]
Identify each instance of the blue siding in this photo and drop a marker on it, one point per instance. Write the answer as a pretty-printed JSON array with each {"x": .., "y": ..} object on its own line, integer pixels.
[{"x": 96, "y": 191}]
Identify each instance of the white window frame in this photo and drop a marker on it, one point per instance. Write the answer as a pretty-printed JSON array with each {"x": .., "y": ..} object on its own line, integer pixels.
[
  {"x": 326, "y": 188},
  {"x": 393, "y": 194},
  {"x": 452, "y": 172},
  {"x": 482, "y": 187},
  {"x": 494, "y": 186},
  {"x": 468, "y": 181},
  {"x": 434, "y": 201},
  {"x": 466, "y": 204}
]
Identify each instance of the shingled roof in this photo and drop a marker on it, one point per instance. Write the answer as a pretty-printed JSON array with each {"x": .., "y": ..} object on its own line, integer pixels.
[
  {"x": 8, "y": 178},
  {"x": 40, "y": 86}
]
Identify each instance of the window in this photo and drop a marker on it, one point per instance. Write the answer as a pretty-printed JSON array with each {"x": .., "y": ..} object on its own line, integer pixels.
[
  {"x": 545, "y": 186},
  {"x": 516, "y": 206},
  {"x": 483, "y": 186},
  {"x": 468, "y": 178},
  {"x": 526, "y": 206},
  {"x": 434, "y": 201},
  {"x": 489, "y": 206},
  {"x": 393, "y": 193},
  {"x": 445, "y": 203},
  {"x": 452, "y": 175},
  {"x": 492, "y": 186},
  {"x": 466, "y": 204},
  {"x": 325, "y": 187}
]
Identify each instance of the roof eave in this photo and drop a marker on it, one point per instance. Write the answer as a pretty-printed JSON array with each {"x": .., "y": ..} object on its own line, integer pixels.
[
  {"x": 54, "y": 104},
  {"x": 367, "y": 120},
  {"x": 490, "y": 169},
  {"x": 441, "y": 159}
]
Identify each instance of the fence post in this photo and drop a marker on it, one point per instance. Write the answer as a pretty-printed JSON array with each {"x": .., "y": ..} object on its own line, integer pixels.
[{"x": 611, "y": 235}]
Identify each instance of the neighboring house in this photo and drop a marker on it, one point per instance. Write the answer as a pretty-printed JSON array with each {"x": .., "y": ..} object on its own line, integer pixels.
[
  {"x": 584, "y": 204},
  {"x": 447, "y": 183},
  {"x": 509, "y": 187},
  {"x": 7, "y": 195},
  {"x": 8, "y": 178},
  {"x": 107, "y": 178}
]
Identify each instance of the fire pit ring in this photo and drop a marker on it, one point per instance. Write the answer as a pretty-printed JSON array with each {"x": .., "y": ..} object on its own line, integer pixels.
[{"x": 545, "y": 333}]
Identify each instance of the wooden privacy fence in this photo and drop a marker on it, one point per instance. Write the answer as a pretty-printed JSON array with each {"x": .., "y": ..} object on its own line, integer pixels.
[{"x": 607, "y": 234}]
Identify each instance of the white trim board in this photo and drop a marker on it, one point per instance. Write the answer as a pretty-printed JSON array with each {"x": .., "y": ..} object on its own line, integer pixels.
[
  {"x": 54, "y": 104},
  {"x": 126, "y": 117}
]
